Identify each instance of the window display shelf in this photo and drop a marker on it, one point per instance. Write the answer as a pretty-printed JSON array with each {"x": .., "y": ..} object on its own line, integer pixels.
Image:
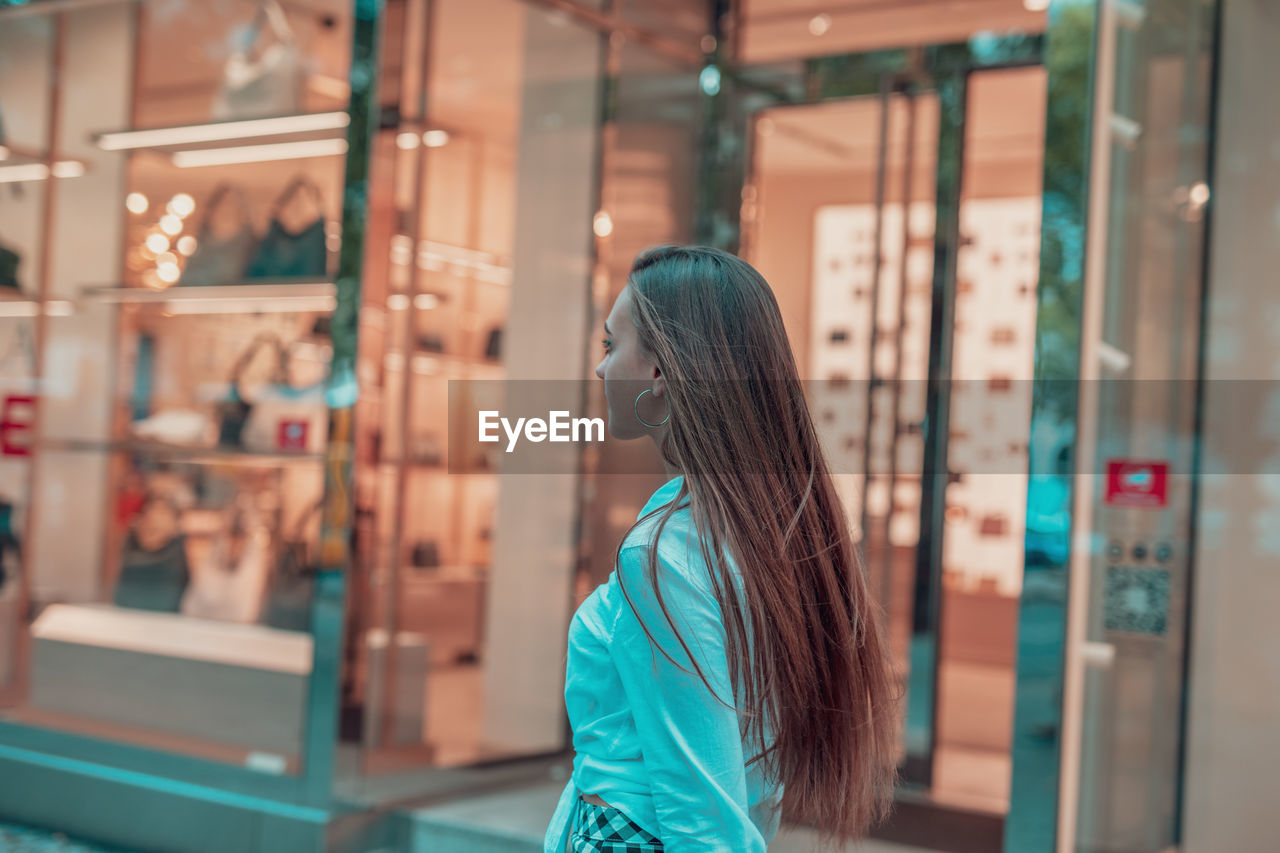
[
  {"x": 265, "y": 298},
  {"x": 189, "y": 454},
  {"x": 242, "y": 141},
  {"x": 444, "y": 573},
  {"x": 452, "y": 359},
  {"x": 443, "y": 470}
]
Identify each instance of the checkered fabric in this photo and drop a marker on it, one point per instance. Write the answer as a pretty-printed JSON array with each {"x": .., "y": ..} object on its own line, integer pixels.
[{"x": 597, "y": 829}]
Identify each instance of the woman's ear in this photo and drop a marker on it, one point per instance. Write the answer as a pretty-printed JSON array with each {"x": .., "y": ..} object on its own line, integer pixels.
[{"x": 659, "y": 383}]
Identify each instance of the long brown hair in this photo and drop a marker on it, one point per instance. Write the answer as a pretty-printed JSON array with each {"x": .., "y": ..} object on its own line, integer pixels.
[{"x": 760, "y": 489}]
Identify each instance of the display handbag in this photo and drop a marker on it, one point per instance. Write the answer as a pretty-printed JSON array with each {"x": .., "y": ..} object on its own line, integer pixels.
[
  {"x": 153, "y": 580},
  {"x": 493, "y": 344},
  {"x": 283, "y": 254},
  {"x": 9, "y": 260},
  {"x": 270, "y": 84},
  {"x": 234, "y": 411},
  {"x": 229, "y": 587},
  {"x": 8, "y": 542},
  {"x": 292, "y": 587},
  {"x": 425, "y": 555},
  {"x": 217, "y": 261},
  {"x": 287, "y": 419}
]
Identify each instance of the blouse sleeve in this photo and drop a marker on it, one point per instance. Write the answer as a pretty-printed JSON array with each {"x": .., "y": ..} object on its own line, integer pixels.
[{"x": 690, "y": 742}]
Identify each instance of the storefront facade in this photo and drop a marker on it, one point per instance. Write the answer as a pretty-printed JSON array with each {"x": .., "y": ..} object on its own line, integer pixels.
[{"x": 263, "y": 260}]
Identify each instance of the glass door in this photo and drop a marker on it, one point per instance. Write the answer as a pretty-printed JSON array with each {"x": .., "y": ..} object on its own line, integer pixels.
[
  {"x": 1143, "y": 292},
  {"x": 899, "y": 228}
]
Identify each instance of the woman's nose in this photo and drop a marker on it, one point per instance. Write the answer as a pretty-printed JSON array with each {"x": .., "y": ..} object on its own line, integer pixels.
[{"x": 600, "y": 369}]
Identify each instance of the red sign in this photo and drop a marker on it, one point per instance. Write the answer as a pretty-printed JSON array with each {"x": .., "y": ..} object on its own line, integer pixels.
[
  {"x": 292, "y": 435},
  {"x": 17, "y": 419},
  {"x": 1137, "y": 482}
]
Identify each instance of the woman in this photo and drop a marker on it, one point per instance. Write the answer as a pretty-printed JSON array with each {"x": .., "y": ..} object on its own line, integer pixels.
[{"x": 739, "y": 581}]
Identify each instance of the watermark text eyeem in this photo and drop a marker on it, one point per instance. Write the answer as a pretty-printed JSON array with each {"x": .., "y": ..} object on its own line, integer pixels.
[{"x": 559, "y": 427}]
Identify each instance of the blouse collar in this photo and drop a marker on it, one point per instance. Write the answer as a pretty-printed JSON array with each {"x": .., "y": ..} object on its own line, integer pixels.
[{"x": 665, "y": 494}]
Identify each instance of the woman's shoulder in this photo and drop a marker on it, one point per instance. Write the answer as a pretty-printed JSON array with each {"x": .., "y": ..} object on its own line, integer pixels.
[{"x": 680, "y": 558}]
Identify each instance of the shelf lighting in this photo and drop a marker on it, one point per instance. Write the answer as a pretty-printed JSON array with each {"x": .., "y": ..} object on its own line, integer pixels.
[
  {"x": 127, "y": 140},
  {"x": 435, "y": 138},
  {"x": 32, "y": 308},
  {"x": 252, "y": 305},
  {"x": 259, "y": 153},
  {"x": 40, "y": 171},
  {"x": 19, "y": 308}
]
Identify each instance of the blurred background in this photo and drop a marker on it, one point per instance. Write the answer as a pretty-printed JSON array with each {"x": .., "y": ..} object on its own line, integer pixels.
[{"x": 259, "y": 260}]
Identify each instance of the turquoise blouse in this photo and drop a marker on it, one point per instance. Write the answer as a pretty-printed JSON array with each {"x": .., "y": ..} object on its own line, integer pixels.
[{"x": 649, "y": 738}]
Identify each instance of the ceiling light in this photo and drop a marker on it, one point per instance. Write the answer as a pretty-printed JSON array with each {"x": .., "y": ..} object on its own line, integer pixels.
[
  {"x": 171, "y": 225},
  {"x": 602, "y": 224},
  {"x": 435, "y": 138},
  {"x": 187, "y": 245},
  {"x": 407, "y": 141},
  {"x": 259, "y": 153},
  {"x": 1199, "y": 194},
  {"x": 425, "y": 301},
  {"x": 181, "y": 205},
  {"x": 1035, "y": 5},
  {"x": 819, "y": 24},
  {"x": 136, "y": 203},
  {"x": 157, "y": 243},
  {"x": 398, "y": 302},
  {"x": 224, "y": 130},
  {"x": 168, "y": 273}
]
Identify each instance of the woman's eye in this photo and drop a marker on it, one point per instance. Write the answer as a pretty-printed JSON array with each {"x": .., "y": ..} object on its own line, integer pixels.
[{"x": 607, "y": 344}]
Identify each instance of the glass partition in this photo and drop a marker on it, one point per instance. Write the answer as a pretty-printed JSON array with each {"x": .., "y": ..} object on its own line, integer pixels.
[
  {"x": 176, "y": 209},
  {"x": 483, "y": 204}
]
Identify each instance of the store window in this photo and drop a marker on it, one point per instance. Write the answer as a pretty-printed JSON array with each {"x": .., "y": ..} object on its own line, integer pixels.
[
  {"x": 171, "y": 197},
  {"x": 477, "y": 283}
]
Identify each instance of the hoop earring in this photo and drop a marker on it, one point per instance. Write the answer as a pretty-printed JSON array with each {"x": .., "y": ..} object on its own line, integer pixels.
[{"x": 642, "y": 420}]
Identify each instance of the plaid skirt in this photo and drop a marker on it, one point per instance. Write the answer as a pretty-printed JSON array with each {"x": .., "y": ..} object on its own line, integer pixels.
[{"x": 601, "y": 829}]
